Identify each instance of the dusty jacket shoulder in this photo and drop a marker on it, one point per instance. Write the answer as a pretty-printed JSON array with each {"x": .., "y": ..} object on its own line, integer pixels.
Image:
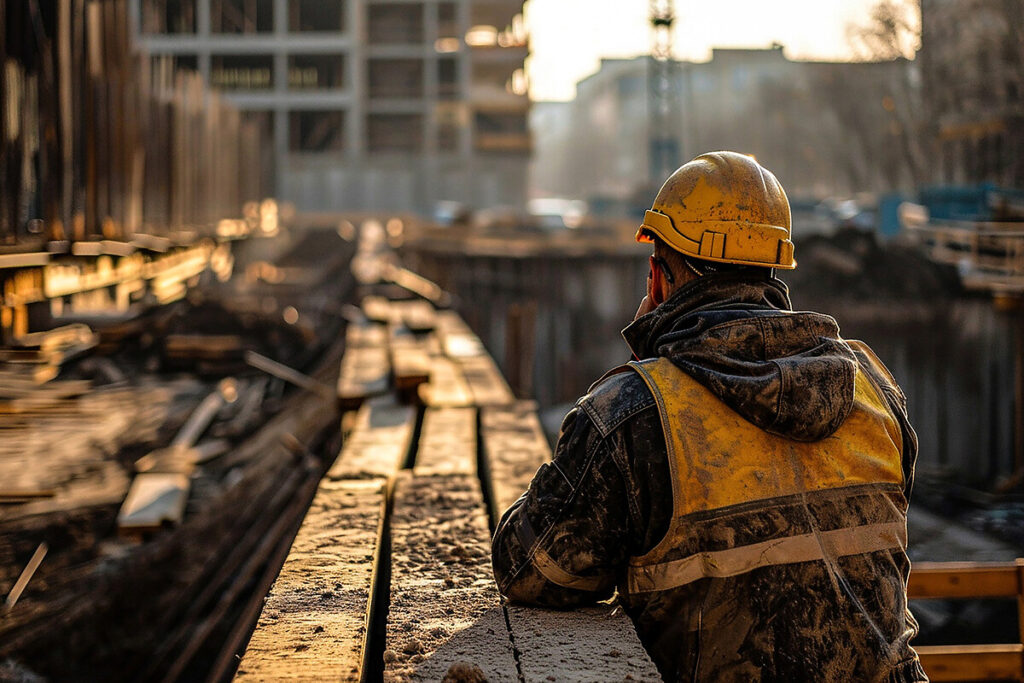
[{"x": 614, "y": 399}]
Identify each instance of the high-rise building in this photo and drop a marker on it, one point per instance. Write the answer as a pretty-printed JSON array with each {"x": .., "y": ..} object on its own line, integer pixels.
[{"x": 372, "y": 105}]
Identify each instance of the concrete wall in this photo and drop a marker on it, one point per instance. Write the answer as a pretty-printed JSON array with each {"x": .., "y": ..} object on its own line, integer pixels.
[{"x": 954, "y": 360}]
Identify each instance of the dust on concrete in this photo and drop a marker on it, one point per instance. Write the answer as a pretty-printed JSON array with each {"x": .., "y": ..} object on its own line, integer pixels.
[
  {"x": 550, "y": 647},
  {"x": 315, "y": 618},
  {"x": 445, "y": 608}
]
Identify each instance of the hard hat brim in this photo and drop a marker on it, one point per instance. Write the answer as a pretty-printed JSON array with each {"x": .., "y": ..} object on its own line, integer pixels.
[{"x": 741, "y": 243}]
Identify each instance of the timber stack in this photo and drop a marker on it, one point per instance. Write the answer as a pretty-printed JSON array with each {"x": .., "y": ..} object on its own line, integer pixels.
[{"x": 389, "y": 575}]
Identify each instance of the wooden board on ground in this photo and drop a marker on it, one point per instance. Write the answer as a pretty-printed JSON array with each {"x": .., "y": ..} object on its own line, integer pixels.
[
  {"x": 485, "y": 381},
  {"x": 379, "y": 442},
  {"x": 417, "y": 315},
  {"x": 315, "y": 621},
  {"x": 585, "y": 644},
  {"x": 365, "y": 372},
  {"x": 371, "y": 335},
  {"x": 445, "y": 615},
  {"x": 154, "y": 499},
  {"x": 377, "y": 309},
  {"x": 447, "y": 442},
  {"x": 410, "y": 358},
  {"x": 514, "y": 446},
  {"x": 972, "y": 662},
  {"x": 447, "y": 386}
]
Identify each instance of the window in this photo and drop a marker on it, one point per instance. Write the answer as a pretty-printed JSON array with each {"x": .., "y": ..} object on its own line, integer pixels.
[
  {"x": 499, "y": 123},
  {"x": 447, "y": 78},
  {"x": 450, "y": 122},
  {"x": 391, "y": 78},
  {"x": 242, "y": 72},
  {"x": 395, "y": 132},
  {"x": 316, "y": 72},
  {"x": 169, "y": 16},
  {"x": 241, "y": 16},
  {"x": 177, "y": 62},
  {"x": 391, "y": 24},
  {"x": 316, "y": 131},
  {"x": 447, "y": 21},
  {"x": 316, "y": 15}
]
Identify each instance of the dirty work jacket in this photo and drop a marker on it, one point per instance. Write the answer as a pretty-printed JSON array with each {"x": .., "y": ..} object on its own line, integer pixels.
[{"x": 790, "y": 567}]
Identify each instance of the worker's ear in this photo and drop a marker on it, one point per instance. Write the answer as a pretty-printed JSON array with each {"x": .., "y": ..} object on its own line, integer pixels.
[{"x": 659, "y": 287}]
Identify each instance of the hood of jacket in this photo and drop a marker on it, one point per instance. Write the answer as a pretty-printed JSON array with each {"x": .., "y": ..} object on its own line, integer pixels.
[{"x": 787, "y": 372}]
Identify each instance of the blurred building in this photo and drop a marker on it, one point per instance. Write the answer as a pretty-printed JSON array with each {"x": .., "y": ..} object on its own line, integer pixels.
[
  {"x": 972, "y": 62},
  {"x": 824, "y": 128},
  {"x": 372, "y": 105}
]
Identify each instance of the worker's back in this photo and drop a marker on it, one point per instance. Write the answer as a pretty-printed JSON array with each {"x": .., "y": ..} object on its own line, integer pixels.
[
  {"x": 744, "y": 484},
  {"x": 778, "y": 551}
]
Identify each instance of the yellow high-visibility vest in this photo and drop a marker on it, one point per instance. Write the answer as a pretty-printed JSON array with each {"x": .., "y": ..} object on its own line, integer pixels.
[{"x": 722, "y": 464}]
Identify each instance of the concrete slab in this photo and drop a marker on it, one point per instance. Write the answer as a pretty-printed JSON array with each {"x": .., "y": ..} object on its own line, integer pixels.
[
  {"x": 316, "y": 618},
  {"x": 584, "y": 645}
]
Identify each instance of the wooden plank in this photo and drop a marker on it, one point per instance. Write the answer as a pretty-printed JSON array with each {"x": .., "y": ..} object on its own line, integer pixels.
[
  {"x": 445, "y": 616},
  {"x": 486, "y": 382},
  {"x": 416, "y": 315},
  {"x": 972, "y": 662},
  {"x": 379, "y": 442},
  {"x": 154, "y": 499},
  {"x": 365, "y": 372},
  {"x": 514, "y": 446},
  {"x": 377, "y": 309},
  {"x": 963, "y": 580},
  {"x": 367, "y": 335},
  {"x": 447, "y": 442},
  {"x": 417, "y": 284},
  {"x": 315, "y": 621},
  {"x": 585, "y": 644},
  {"x": 410, "y": 359},
  {"x": 447, "y": 386}
]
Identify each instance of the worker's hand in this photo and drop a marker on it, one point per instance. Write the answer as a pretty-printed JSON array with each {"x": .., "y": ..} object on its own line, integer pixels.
[
  {"x": 647, "y": 303},
  {"x": 646, "y": 306}
]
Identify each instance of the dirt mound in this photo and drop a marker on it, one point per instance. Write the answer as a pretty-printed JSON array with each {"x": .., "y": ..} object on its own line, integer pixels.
[{"x": 854, "y": 264}]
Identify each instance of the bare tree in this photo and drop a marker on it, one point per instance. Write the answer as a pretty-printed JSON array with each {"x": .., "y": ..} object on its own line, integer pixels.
[{"x": 878, "y": 102}]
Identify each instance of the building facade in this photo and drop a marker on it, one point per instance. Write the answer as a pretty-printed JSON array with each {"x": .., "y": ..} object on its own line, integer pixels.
[
  {"x": 371, "y": 105},
  {"x": 824, "y": 128}
]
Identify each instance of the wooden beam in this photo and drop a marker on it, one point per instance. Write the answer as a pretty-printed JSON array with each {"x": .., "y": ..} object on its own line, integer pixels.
[
  {"x": 154, "y": 499},
  {"x": 514, "y": 447},
  {"x": 379, "y": 443},
  {"x": 972, "y": 662},
  {"x": 447, "y": 442},
  {"x": 410, "y": 360},
  {"x": 365, "y": 372},
  {"x": 316, "y": 619},
  {"x": 445, "y": 618},
  {"x": 963, "y": 580},
  {"x": 447, "y": 386},
  {"x": 486, "y": 382}
]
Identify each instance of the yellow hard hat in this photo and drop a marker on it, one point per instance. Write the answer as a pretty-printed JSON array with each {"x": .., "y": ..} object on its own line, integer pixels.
[{"x": 723, "y": 207}]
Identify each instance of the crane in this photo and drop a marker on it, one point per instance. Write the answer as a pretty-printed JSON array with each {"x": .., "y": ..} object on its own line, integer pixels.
[{"x": 665, "y": 151}]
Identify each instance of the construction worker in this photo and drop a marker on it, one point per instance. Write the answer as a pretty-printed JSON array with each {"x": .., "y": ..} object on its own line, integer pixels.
[{"x": 744, "y": 482}]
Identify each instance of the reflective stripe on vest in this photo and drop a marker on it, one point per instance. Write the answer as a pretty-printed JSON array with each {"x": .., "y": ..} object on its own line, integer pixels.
[{"x": 718, "y": 459}]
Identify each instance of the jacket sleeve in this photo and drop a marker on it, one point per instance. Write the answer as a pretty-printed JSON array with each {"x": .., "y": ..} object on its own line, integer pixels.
[
  {"x": 564, "y": 542},
  {"x": 897, "y": 402}
]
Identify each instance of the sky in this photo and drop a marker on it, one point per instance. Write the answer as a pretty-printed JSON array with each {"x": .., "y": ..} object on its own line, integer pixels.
[{"x": 568, "y": 37}]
